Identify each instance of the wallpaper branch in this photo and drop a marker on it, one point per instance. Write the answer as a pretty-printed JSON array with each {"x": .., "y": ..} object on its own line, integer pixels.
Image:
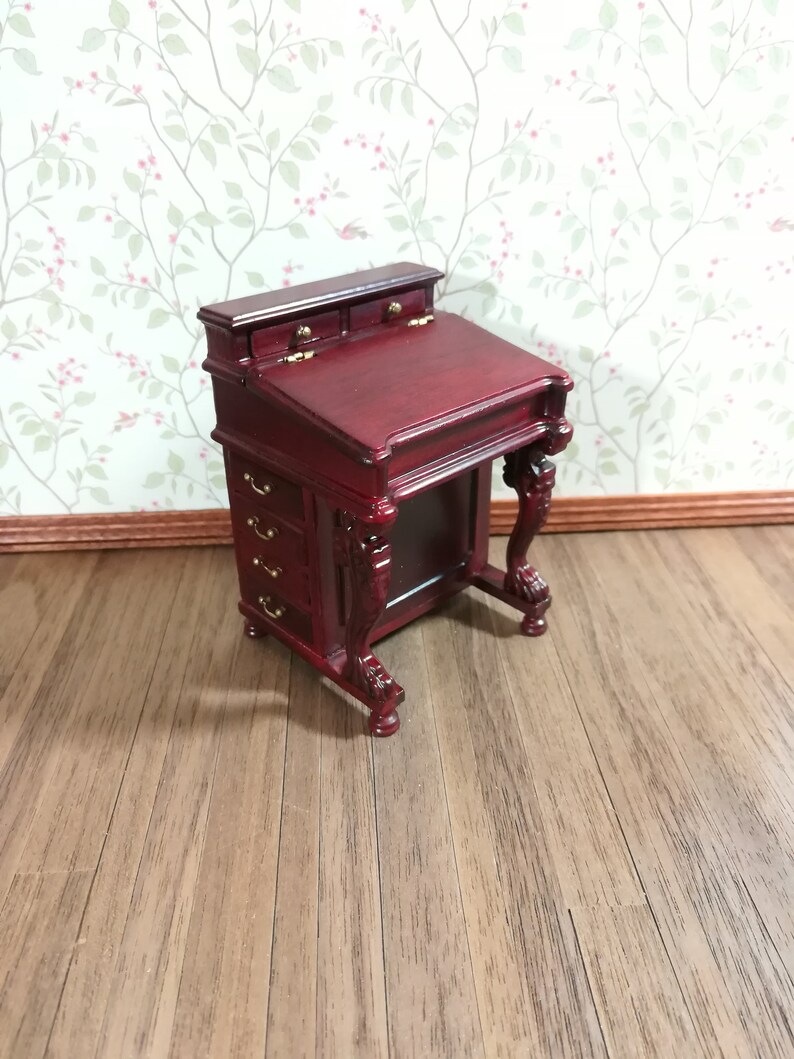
[{"x": 606, "y": 184}]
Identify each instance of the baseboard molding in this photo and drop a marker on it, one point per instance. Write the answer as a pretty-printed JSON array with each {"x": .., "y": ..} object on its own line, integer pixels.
[{"x": 168, "y": 529}]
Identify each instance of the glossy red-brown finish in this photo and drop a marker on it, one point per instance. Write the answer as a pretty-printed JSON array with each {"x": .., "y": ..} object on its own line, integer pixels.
[{"x": 359, "y": 428}]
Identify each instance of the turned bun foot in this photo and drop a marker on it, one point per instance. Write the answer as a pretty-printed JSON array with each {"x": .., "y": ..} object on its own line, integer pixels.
[
  {"x": 254, "y": 631},
  {"x": 533, "y": 626},
  {"x": 383, "y": 724}
]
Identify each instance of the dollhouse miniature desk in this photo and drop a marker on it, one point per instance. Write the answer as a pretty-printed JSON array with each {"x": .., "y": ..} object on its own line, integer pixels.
[{"x": 358, "y": 428}]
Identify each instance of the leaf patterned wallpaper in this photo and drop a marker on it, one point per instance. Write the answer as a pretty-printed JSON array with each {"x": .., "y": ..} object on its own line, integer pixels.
[{"x": 606, "y": 183}]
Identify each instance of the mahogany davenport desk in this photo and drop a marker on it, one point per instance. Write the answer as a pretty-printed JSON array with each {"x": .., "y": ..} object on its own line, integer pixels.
[{"x": 359, "y": 427}]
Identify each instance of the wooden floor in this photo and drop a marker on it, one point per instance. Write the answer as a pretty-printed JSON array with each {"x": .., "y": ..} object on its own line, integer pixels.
[{"x": 575, "y": 846}]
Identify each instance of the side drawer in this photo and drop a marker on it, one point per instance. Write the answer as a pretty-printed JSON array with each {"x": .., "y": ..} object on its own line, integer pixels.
[
  {"x": 275, "y": 610},
  {"x": 298, "y": 333},
  {"x": 265, "y": 488},
  {"x": 274, "y": 573},
  {"x": 274, "y": 539},
  {"x": 384, "y": 310}
]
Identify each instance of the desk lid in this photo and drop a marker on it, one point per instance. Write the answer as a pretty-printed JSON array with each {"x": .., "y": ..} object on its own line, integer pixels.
[{"x": 375, "y": 388}]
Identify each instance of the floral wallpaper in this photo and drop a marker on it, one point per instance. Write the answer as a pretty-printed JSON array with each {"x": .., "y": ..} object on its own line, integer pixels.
[{"x": 606, "y": 183}]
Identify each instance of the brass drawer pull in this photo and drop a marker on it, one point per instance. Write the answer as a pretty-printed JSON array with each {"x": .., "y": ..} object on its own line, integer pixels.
[
  {"x": 274, "y": 614},
  {"x": 263, "y": 491},
  {"x": 274, "y": 571},
  {"x": 268, "y": 535},
  {"x": 303, "y": 332},
  {"x": 393, "y": 309}
]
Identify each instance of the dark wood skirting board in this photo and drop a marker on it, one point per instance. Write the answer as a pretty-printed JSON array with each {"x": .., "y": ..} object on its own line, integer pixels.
[{"x": 168, "y": 529}]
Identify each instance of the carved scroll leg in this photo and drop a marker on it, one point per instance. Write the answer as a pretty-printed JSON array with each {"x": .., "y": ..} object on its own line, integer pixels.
[
  {"x": 368, "y": 554},
  {"x": 531, "y": 474}
]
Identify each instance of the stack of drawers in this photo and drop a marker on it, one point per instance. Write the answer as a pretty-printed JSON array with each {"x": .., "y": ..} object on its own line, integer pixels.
[{"x": 270, "y": 541}]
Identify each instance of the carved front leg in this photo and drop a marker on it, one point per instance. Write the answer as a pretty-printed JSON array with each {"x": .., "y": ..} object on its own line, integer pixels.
[
  {"x": 531, "y": 474},
  {"x": 368, "y": 554}
]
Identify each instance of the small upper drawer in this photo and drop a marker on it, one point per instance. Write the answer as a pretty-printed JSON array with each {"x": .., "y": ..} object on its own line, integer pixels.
[
  {"x": 268, "y": 489},
  {"x": 275, "y": 540},
  {"x": 385, "y": 310},
  {"x": 296, "y": 335}
]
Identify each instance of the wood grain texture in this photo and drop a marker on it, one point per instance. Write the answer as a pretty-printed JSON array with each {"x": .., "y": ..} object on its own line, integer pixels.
[
  {"x": 171, "y": 529},
  {"x": 578, "y": 845}
]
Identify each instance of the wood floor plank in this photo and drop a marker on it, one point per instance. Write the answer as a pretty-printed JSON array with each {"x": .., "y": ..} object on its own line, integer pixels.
[
  {"x": 53, "y": 589},
  {"x": 561, "y": 1018},
  {"x": 591, "y": 858},
  {"x": 351, "y": 998},
  {"x": 292, "y": 1001},
  {"x": 187, "y": 638},
  {"x": 223, "y": 992},
  {"x": 85, "y": 666},
  {"x": 740, "y": 761},
  {"x": 432, "y": 1003},
  {"x": 734, "y": 984},
  {"x": 640, "y": 1005},
  {"x": 68, "y": 831},
  {"x": 144, "y": 989},
  {"x": 38, "y": 930}
]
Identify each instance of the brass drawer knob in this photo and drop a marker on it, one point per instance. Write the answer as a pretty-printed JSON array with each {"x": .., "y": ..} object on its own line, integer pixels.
[
  {"x": 393, "y": 309},
  {"x": 274, "y": 614},
  {"x": 262, "y": 490},
  {"x": 274, "y": 571},
  {"x": 268, "y": 535},
  {"x": 303, "y": 332}
]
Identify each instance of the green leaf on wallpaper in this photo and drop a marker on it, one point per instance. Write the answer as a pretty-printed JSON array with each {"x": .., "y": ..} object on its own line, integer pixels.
[
  {"x": 242, "y": 26},
  {"x": 702, "y": 432},
  {"x": 398, "y": 223},
  {"x": 234, "y": 191},
  {"x": 119, "y": 15},
  {"x": 208, "y": 220},
  {"x": 648, "y": 213},
  {"x": 668, "y": 408},
  {"x": 176, "y": 132},
  {"x": 719, "y": 59},
  {"x": 294, "y": 4},
  {"x": 620, "y": 212},
  {"x": 96, "y": 470},
  {"x": 654, "y": 45},
  {"x": 181, "y": 269},
  {"x": 175, "y": 462},
  {"x": 578, "y": 39},
  {"x": 167, "y": 20},
  {"x": 750, "y": 146},
  {"x": 663, "y": 145},
  {"x": 322, "y": 123},
  {"x": 735, "y": 168},
  {"x": 86, "y": 321},
  {"x": 281, "y": 77},
  {"x": 43, "y": 171},
  {"x": 302, "y": 150},
  {"x": 99, "y": 494},
  {"x": 153, "y": 480},
  {"x": 92, "y": 39},
  {"x": 174, "y": 44},
  {"x": 132, "y": 180},
  {"x": 19, "y": 22},
  {"x": 256, "y": 279},
  {"x": 174, "y": 215},
  {"x": 747, "y": 78},
  {"x": 4, "y": 451},
  {"x": 514, "y": 22},
  {"x": 512, "y": 59},
  {"x": 577, "y": 238},
  {"x": 158, "y": 317},
  {"x": 42, "y": 443},
  {"x": 608, "y": 467},
  {"x": 171, "y": 364},
  {"x": 777, "y": 57},
  {"x": 588, "y": 177},
  {"x": 638, "y": 128},
  {"x": 336, "y": 48},
  {"x": 386, "y": 93},
  {"x": 608, "y": 15},
  {"x": 583, "y": 309},
  {"x": 97, "y": 267},
  {"x": 208, "y": 151},
  {"x": 310, "y": 56},
  {"x": 86, "y": 213},
  {"x": 407, "y": 100},
  {"x": 445, "y": 150},
  {"x": 242, "y": 219},
  {"x": 219, "y": 133},
  {"x": 290, "y": 174},
  {"x": 135, "y": 243},
  {"x": 324, "y": 102},
  {"x": 537, "y": 209},
  {"x": 297, "y": 231},
  {"x": 8, "y": 328},
  {"x": 771, "y": 6},
  {"x": 25, "y": 60},
  {"x": 682, "y": 271}
]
